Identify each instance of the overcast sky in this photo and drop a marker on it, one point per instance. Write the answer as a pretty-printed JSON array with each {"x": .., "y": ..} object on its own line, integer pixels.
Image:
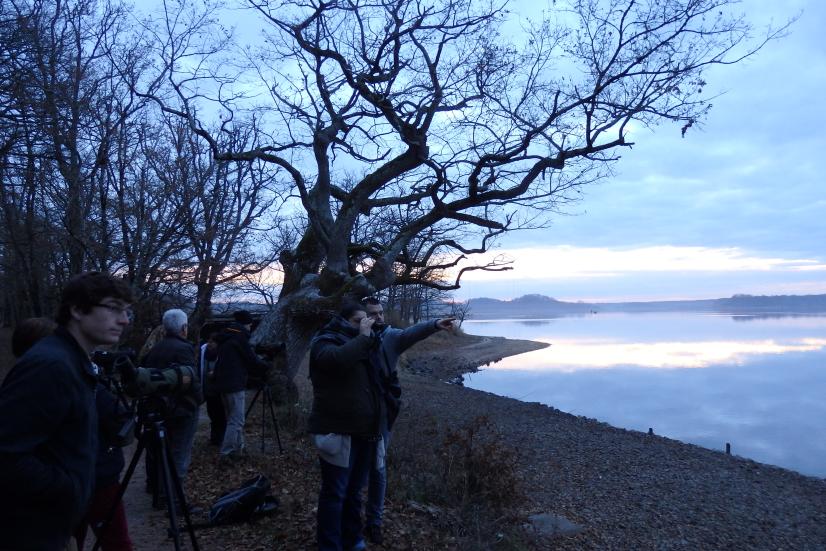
[{"x": 737, "y": 206}]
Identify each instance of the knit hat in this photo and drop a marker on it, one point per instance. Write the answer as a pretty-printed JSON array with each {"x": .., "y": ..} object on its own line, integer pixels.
[{"x": 243, "y": 317}]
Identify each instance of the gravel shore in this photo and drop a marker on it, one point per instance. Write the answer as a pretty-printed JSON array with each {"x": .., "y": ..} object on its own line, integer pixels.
[{"x": 627, "y": 489}]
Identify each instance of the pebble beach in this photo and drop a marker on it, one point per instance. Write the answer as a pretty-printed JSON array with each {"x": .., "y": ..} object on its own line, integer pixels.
[{"x": 622, "y": 489}]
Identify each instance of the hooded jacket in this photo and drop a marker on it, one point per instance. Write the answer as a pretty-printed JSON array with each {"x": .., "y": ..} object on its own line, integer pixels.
[{"x": 347, "y": 394}]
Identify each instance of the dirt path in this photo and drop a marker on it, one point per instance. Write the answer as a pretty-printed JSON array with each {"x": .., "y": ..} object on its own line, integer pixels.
[{"x": 148, "y": 527}]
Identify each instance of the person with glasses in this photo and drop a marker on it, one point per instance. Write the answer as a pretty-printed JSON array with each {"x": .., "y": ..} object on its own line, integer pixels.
[{"x": 48, "y": 417}]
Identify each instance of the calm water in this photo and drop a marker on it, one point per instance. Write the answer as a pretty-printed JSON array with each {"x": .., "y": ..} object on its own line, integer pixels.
[{"x": 758, "y": 383}]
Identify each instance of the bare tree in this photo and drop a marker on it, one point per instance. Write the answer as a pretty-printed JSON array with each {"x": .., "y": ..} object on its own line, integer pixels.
[
  {"x": 65, "y": 80},
  {"x": 225, "y": 208},
  {"x": 460, "y": 310},
  {"x": 61, "y": 103},
  {"x": 428, "y": 108}
]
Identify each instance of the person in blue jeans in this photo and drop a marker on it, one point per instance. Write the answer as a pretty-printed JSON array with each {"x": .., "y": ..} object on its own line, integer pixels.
[
  {"x": 235, "y": 359},
  {"x": 392, "y": 343},
  {"x": 345, "y": 422}
]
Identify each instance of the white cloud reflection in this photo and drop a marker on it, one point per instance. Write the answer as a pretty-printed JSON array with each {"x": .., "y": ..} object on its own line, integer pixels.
[{"x": 575, "y": 355}]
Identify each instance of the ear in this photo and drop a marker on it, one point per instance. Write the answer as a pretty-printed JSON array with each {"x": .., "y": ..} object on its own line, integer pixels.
[{"x": 76, "y": 312}]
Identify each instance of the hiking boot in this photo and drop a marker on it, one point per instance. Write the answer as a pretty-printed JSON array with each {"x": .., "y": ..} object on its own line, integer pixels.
[{"x": 373, "y": 534}]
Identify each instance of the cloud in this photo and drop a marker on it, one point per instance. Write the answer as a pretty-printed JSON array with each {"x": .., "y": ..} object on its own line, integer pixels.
[
  {"x": 566, "y": 261},
  {"x": 569, "y": 355}
]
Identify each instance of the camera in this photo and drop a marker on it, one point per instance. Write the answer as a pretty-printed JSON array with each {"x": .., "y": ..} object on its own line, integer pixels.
[
  {"x": 269, "y": 351},
  {"x": 143, "y": 381},
  {"x": 110, "y": 363}
]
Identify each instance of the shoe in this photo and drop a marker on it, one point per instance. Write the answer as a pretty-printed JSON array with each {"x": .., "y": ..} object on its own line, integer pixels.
[
  {"x": 359, "y": 546},
  {"x": 373, "y": 533}
]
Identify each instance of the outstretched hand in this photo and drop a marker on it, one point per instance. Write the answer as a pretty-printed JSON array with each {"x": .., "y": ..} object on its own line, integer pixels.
[{"x": 446, "y": 324}]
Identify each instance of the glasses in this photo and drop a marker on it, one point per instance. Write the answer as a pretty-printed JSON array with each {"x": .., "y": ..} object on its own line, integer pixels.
[{"x": 118, "y": 310}]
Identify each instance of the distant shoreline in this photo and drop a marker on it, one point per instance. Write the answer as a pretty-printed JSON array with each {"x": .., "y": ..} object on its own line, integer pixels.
[{"x": 540, "y": 306}]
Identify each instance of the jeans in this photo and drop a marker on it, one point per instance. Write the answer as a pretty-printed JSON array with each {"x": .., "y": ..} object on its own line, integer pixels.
[
  {"x": 376, "y": 489},
  {"x": 234, "y": 434},
  {"x": 339, "y": 501},
  {"x": 180, "y": 431}
]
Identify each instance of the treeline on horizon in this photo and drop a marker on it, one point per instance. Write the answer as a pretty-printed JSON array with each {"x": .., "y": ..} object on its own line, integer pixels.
[{"x": 539, "y": 305}]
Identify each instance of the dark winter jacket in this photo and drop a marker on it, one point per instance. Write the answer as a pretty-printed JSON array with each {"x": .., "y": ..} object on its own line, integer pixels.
[
  {"x": 48, "y": 444},
  {"x": 347, "y": 394},
  {"x": 174, "y": 349},
  {"x": 235, "y": 360},
  {"x": 111, "y": 417},
  {"x": 393, "y": 343}
]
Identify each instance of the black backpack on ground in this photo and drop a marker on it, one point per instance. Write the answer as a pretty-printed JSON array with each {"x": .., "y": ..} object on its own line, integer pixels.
[{"x": 244, "y": 504}]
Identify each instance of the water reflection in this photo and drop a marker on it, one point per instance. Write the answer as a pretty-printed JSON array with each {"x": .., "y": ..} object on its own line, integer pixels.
[
  {"x": 760, "y": 388},
  {"x": 572, "y": 355}
]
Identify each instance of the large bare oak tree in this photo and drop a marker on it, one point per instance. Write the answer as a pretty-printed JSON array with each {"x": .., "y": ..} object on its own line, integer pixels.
[{"x": 413, "y": 133}]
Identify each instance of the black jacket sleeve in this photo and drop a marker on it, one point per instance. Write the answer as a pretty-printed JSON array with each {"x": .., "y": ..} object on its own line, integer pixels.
[{"x": 329, "y": 356}]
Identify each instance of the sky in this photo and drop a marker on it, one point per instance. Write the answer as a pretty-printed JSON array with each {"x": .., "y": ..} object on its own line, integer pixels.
[{"x": 737, "y": 206}]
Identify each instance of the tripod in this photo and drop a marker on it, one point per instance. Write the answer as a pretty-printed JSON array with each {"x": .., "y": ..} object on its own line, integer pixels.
[
  {"x": 266, "y": 404},
  {"x": 153, "y": 436}
]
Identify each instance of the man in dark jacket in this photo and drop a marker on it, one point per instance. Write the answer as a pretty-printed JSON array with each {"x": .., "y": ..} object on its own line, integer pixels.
[
  {"x": 48, "y": 418},
  {"x": 236, "y": 358},
  {"x": 345, "y": 422},
  {"x": 181, "y": 419}
]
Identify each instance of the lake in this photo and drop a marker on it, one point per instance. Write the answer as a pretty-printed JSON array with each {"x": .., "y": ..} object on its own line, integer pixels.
[{"x": 758, "y": 383}]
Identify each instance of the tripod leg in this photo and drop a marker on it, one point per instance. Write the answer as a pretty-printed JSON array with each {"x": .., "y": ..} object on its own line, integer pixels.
[
  {"x": 268, "y": 400},
  {"x": 263, "y": 420},
  {"x": 164, "y": 472},
  {"x": 252, "y": 403},
  {"x": 181, "y": 498}
]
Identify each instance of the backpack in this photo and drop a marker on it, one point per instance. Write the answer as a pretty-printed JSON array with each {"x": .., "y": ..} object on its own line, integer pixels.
[{"x": 244, "y": 504}]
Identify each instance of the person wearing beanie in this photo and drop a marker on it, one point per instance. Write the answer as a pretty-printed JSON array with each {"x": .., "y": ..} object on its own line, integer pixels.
[{"x": 235, "y": 359}]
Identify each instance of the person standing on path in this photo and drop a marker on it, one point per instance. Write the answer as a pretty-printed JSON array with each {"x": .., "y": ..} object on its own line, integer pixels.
[
  {"x": 236, "y": 358},
  {"x": 181, "y": 417},
  {"x": 48, "y": 417},
  {"x": 344, "y": 422},
  {"x": 392, "y": 343}
]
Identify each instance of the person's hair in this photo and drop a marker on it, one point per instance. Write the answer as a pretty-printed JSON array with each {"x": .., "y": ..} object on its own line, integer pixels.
[
  {"x": 86, "y": 290},
  {"x": 243, "y": 317},
  {"x": 370, "y": 301},
  {"x": 28, "y": 332},
  {"x": 174, "y": 320},
  {"x": 349, "y": 308}
]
